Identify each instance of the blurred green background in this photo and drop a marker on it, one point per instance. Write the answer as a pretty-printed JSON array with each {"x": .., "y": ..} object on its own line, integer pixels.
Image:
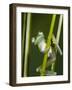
[{"x": 41, "y": 23}]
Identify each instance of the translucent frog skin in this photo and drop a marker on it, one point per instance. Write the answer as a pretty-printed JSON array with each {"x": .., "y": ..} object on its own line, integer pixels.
[{"x": 40, "y": 42}]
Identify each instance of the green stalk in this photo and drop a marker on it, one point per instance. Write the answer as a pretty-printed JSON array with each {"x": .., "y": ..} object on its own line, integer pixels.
[
  {"x": 59, "y": 28},
  {"x": 48, "y": 45},
  {"x": 24, "y": 19},
  {"x": 58, "y": 37},
  {"x": 23, "y": 31},
  {"x": 27, "y": 43}
]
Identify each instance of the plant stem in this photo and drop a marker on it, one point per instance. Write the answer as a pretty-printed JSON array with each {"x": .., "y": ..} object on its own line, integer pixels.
[
  {"x": 48, "y": 45},
  {"x": 58, "y": 37},
  {"x": 27, "y": 43},
  {"x": 24, "y": 19}
]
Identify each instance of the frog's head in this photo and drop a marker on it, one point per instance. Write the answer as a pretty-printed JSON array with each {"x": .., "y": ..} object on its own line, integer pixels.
[{"x": 40, "y": 37}]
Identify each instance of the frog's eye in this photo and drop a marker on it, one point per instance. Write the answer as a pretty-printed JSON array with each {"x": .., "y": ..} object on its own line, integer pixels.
[
  {"x": 33, "y": 40},
  {"x": 40, "y": 33}
]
